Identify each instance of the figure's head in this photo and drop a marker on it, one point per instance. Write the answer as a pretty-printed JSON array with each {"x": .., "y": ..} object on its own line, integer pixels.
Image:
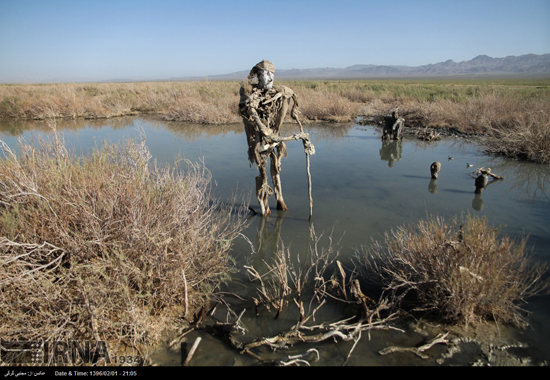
[
  {"x": 265, "y": 72},
  {"x": 265, "y": 79}
]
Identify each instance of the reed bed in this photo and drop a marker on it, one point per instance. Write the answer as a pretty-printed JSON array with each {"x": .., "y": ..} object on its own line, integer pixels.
[
  {"x": 106, "y": 247},
  {"x": 513, "y": 116},
  {"x": 460, "y": 271},
  {"x": 201, "y": 102}
]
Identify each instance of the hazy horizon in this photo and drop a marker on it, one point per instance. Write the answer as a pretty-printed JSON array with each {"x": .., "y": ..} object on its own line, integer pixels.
[{"x": 100, "y": 40}]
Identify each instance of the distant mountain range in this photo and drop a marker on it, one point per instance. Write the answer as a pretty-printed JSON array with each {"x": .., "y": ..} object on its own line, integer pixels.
[{"x": 480, "y": 66}]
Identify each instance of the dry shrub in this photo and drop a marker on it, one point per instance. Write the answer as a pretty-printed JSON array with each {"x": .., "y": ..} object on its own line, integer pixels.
[
  {"x": 525, "y": 136},
  {"x": 285, "y": 280},
  {"x": 326, "y": 106},
  {"x": 207, "y": 111},
  {"x": 107, "y": 246},
  {"x": 462, "y": 272}
]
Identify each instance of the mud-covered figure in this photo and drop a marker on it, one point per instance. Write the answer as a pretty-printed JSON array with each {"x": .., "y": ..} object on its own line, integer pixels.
[
  {"x": 482, "y": 179},
  {"x": 263, "y": 107},
  {"x": 481, "y": 182},
  {"x": 393, "y": 127},
  {"x": 434, "y": 169}
]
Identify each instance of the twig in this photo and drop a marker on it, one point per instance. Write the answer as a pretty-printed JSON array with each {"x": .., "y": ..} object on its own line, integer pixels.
[
  {"x": 297, "y": 359},
  {"x": 307, "y": 150},
  {"x": 353, "y": 348},
  {"x": 186, "y": 301},
  {"x": 192, "y": 351}
]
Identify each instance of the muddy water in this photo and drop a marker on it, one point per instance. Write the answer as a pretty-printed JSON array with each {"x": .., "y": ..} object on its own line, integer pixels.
[{"x": 361, "y": 189}]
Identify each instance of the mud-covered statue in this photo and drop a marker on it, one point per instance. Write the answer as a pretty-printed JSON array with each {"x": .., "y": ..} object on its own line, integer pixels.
[
  {"x": 434, "y": 169},
  {"x": 481, "y": 176},
  {"x": 263, "y": 107},
  {"x": 393, "y": 127}
]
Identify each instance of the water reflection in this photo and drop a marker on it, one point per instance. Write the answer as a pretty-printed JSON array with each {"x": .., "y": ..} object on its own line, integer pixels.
[
  {"x": 18, "y": 128},
  {"x": 391, "y": 151},
  {"x": 432, "y": 187},
  {"x": 525, "y": 177},
  {"x": 193, "y": 132},
  {"x": 477, "y": 202},
  {"x": 328, "y": 133},
  {"x": 268, "y": 239}
]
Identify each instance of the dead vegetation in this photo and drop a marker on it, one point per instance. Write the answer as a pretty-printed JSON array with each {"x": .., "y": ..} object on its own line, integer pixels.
[
  {"x": 106, "y": 246},
  {"x": 198, "y": 102},
  {"x": 460, "y": 272},
  {"x": 525, "y": 136},
  {"x": 305, "y": 287},
  {"x": 513, "y": 116},
  {"x": 458, "y": 275}
]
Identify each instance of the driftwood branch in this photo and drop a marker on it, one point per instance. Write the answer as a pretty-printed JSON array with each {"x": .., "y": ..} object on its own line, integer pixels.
[
  {"x": 343, "y": 329},
  {"x": 441, "y": 338},
  {"x": 192, "y": 351}
]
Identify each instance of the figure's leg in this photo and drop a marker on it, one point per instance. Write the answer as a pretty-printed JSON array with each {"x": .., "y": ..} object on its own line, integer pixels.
[
  {"x": 275, "y": 176},
  {"x": 385, "y": 133},
  {"x": 263, "y": 191}
]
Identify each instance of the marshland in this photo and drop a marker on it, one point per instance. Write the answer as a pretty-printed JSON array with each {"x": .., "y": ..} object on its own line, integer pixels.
[{"x": 125, "y": 218}]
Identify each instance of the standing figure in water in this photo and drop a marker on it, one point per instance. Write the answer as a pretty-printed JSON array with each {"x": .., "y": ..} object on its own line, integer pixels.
[{"x": 263, "y": 107}]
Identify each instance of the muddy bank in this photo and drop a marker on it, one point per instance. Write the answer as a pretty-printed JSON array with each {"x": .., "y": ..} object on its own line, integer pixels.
[
  {"x": 486, "y": 346},
  {"x": 418, "y": 128}
]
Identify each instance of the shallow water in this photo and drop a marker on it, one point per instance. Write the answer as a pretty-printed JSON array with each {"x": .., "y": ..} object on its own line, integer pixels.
[{"x": 361, "y": 189}]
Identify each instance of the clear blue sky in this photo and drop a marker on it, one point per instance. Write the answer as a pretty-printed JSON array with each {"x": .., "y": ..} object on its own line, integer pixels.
[{"x": 76, "y": 40}]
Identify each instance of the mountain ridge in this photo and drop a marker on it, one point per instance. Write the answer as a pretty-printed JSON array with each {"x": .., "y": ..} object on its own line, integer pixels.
[{"x": 479, "y": 66}]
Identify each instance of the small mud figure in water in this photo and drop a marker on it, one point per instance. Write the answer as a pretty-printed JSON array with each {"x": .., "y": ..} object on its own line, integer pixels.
[
  {"x": 263, "y": 107},
  {"x": 434, "y": 169},
  {"x": 481, "y": 182},
  {"x": 482, "y": 179},
  {"x": 393, "y": 127}
]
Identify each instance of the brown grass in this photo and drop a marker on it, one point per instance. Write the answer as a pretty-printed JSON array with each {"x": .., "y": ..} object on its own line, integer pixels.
[
  {"x": 524, "y": 136},
  {"x": 461, "y": 272},
  {"x": 107, "y": 246},
  {"x": 203, "y": 102},
  {"x": 513, "y": 115}
]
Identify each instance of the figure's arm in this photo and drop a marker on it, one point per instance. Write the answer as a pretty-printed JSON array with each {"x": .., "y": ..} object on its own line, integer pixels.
[{"x": 398, "y": 122}]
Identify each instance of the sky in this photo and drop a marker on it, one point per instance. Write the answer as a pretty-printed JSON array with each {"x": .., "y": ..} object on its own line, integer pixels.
[{"x": 103, "y": 40}]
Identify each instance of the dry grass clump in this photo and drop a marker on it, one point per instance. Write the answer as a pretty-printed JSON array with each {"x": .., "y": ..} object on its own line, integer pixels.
[
  {"x": 332, "y": 101},
  {"x": 525, "y": 136},
  {"x": 461, "y": 272},
  {"x": 107, "y": 246},
  {"x": 326, "y": 106},
  {"x": 206, "y": 103}
]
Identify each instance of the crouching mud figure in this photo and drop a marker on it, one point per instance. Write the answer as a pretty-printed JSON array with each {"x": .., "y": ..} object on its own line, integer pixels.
[
  {"x": 393, "y": 127},
  {"x": 263, "y": 107},
  {"x": 482, "y": 179}
]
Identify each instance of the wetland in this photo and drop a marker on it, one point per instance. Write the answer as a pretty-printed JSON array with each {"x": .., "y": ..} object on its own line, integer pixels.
[{"x": 362, "y": 188}]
